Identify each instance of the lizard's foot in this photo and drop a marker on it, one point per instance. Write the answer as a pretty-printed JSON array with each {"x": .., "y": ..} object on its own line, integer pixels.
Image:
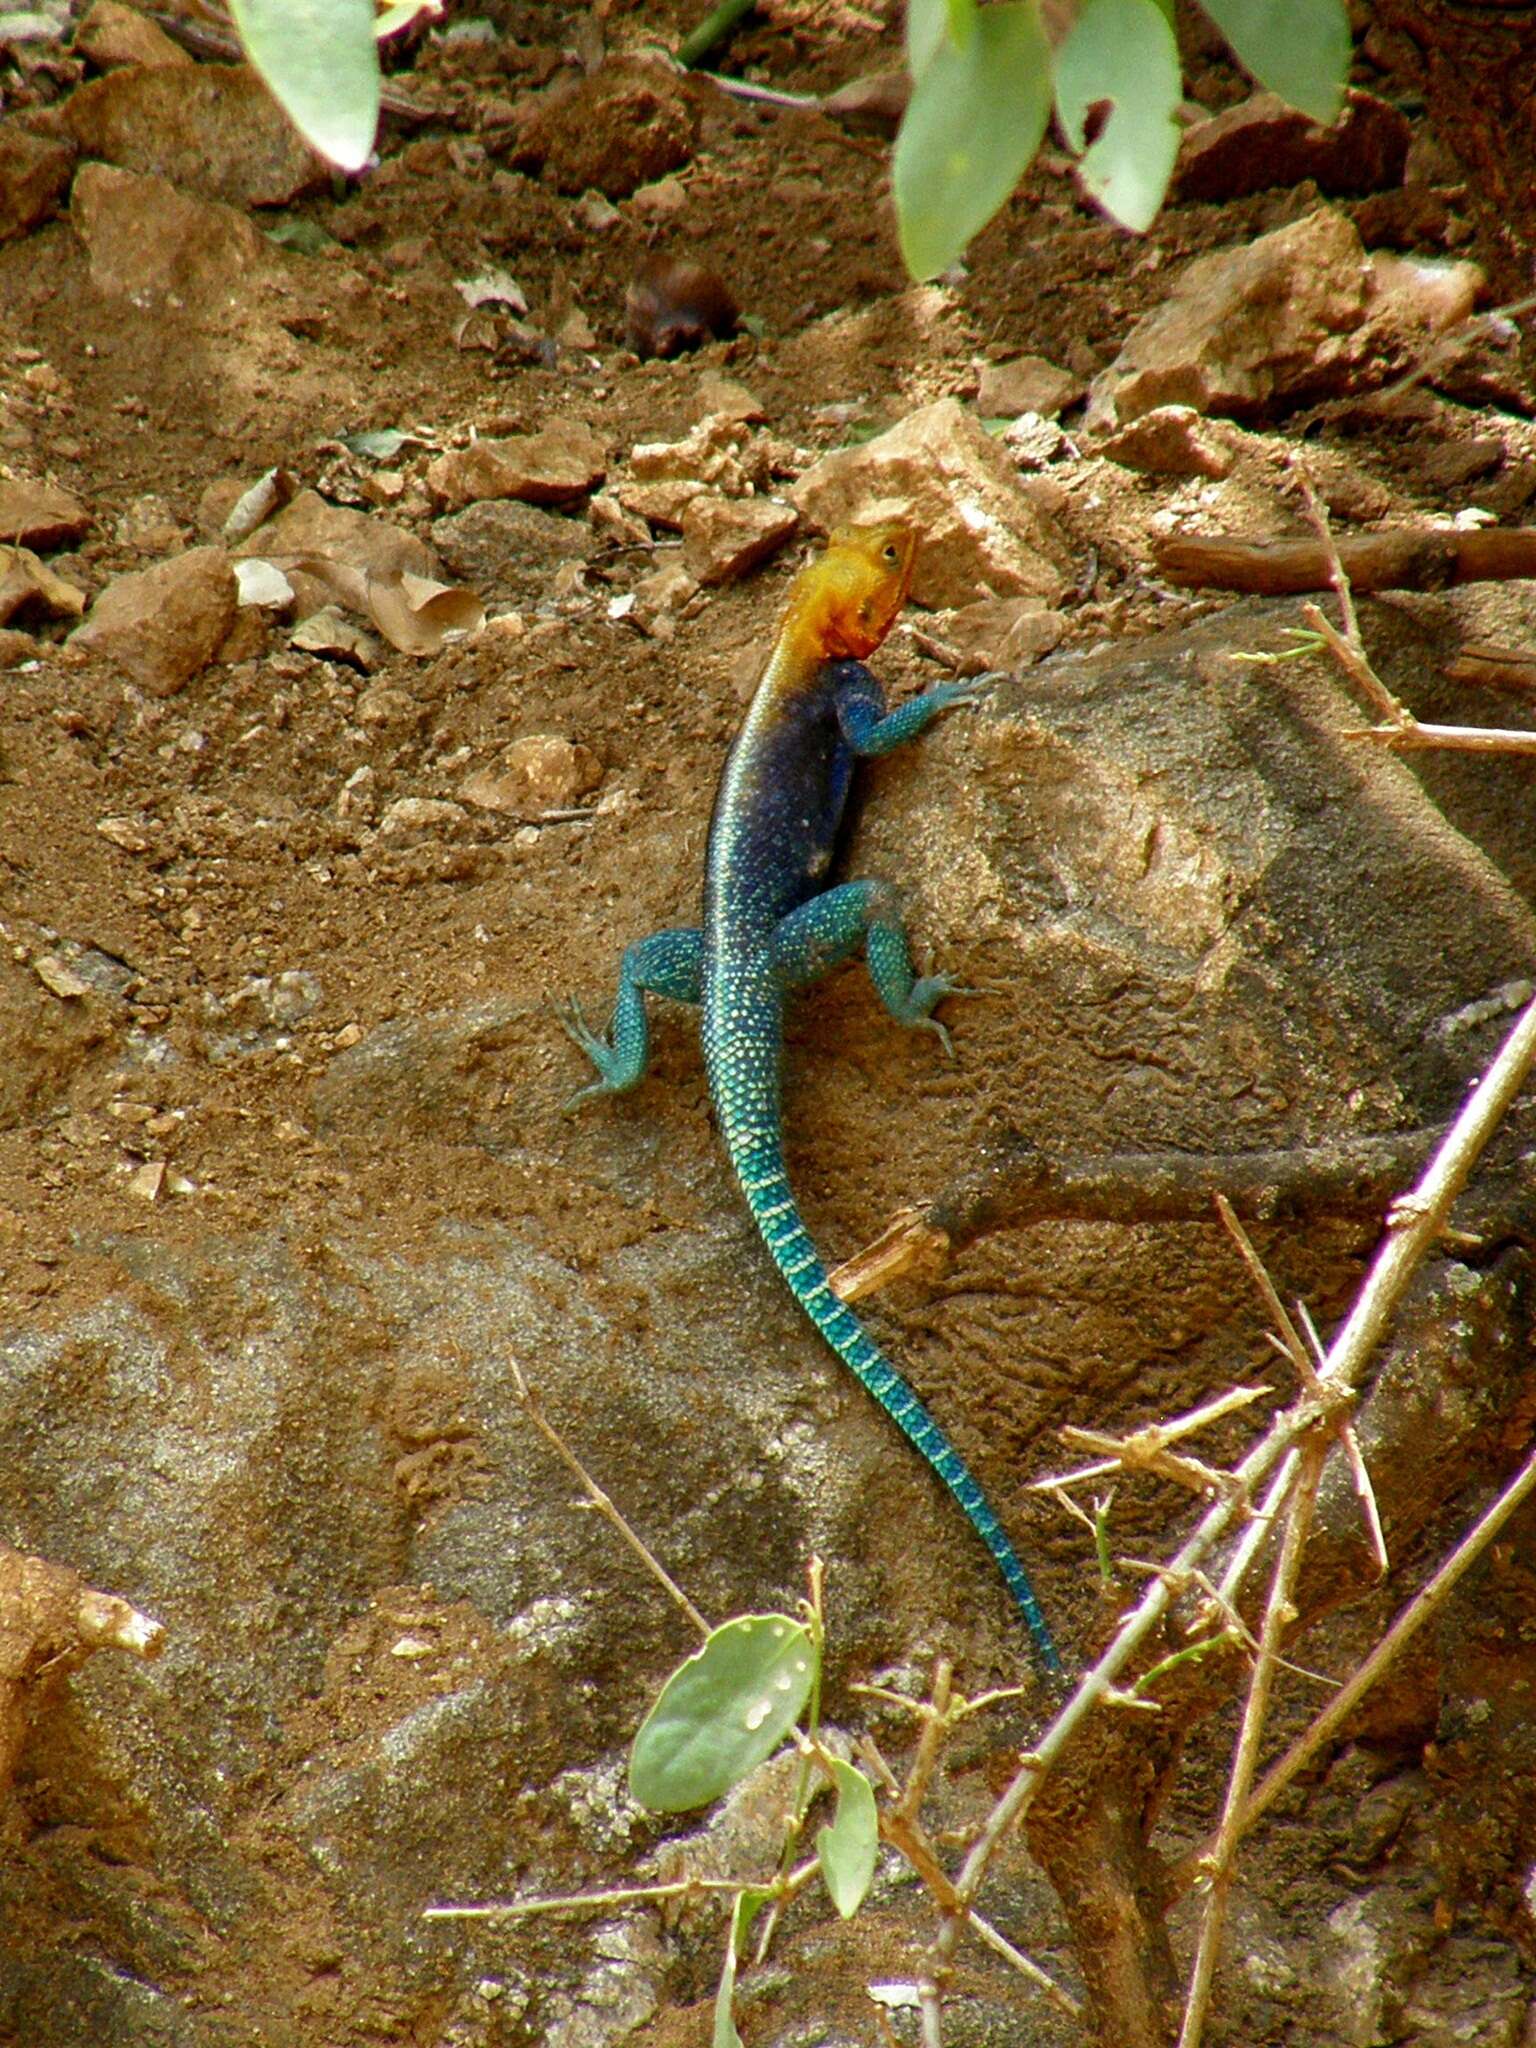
[
  {"x": 971, "y": 691},
  {"x": 602, "y": 1055},
  {"x": 928, "y": 991}
]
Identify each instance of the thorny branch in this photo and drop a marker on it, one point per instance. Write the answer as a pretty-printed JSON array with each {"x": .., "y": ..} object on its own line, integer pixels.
[
  {"x": 1413, "y": 1224},
  {"x": 1289, "y": 1344},
  {"x": 1425, "y": 1603}
]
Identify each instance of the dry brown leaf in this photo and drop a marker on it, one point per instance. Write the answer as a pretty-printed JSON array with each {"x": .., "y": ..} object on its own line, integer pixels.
[
  {"x": 417, "y": 615},
  {"x": 341, "y": 580},
  {"x": 270, "y": 493}
]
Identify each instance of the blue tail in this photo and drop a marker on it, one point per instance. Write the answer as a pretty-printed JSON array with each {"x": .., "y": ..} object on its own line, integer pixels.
[{"x": 766, "y": 1187}]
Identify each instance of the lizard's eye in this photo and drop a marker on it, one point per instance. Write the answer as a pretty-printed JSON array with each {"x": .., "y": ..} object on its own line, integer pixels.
[{"x": 890, "y": 553}]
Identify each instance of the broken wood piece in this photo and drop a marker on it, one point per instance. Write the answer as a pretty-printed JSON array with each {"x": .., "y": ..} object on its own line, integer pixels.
[
  {"x": 1500, "y": 668},
  {"x": 1402, "y": 559},
  {"x": 50, "y": 1622},
  {"x": 1021, "y": 1185},
  {"x": 908, "y": 1240}
]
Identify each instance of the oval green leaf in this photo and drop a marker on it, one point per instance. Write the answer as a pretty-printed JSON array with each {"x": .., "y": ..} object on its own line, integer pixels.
[
  {"x": 321, "y": 64},
  {"x": 926, "y": 22},
  {"x": 1122, "y": 52},
  {"x": 847, "y": 1850},
  {"x": 722, "y": 1713},
  {"x": 962, "y": 19},
  {"x": 975, "y": 119},
  {"x": 1298, "y": 48}
]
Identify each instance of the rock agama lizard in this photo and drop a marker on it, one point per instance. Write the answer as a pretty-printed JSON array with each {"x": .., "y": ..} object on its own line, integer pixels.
[{"x": 771, "y": 926}]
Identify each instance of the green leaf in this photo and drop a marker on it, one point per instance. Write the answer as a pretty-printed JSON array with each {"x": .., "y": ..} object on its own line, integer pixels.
[
  {"x": 927, "y": 22},
  {"x": 1298, "y": 48},
  {"x": 378, "y": 444},
  {"x": 847, "y": 1850},
  {"x": 1122, "y": 51},
  {"x": 303, "y": 237},
  {"x": 319, "y": 59},
  {"x": 975, "y": 119},
  {"x": 962, "y": 19},
  {"x": 743, "y": 1913},
  {"x": 401, "y": 15},
  {"x": 722, "y": 1713}
]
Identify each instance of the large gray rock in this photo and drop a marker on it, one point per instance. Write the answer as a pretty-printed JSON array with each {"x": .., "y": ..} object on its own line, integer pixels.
[{"x": 402, "y": 1667}]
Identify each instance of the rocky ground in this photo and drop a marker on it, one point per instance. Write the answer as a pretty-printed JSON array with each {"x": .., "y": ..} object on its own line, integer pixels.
[{"x": 373, "y": 620}]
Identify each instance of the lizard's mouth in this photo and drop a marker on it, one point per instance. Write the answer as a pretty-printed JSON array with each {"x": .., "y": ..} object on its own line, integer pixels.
[{"x": 860, "y": 632}]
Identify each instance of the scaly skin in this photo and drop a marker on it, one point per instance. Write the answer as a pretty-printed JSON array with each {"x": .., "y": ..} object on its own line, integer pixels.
[{"x": 769, "y": 926}]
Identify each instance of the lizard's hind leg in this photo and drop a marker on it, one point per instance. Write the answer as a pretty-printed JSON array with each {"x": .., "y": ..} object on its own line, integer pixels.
[
  {"x": 668, "y": 963},
  {"x": 831, "y": 927}
]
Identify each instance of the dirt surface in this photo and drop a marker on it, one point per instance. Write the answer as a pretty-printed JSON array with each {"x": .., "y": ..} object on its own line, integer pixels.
[
  {"x": 248, "y": 913},
  {"x": 233, "y": 783}
]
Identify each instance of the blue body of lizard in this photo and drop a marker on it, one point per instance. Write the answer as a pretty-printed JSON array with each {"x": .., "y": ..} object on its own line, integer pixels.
[{"x": 770, "y": 926}]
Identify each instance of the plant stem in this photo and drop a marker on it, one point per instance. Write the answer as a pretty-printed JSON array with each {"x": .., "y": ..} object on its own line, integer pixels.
[{"x": 714, "y": 28}]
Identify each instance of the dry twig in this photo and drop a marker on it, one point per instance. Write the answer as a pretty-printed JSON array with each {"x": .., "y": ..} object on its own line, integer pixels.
[
  {"x": 533, "y": 1408},
  {"x": 1404, "y": 559},
  {"x": 1147, "y": 1449},
  {"x": 1425, "y": 1603},
  {"x": 1279, "y": 1613}
]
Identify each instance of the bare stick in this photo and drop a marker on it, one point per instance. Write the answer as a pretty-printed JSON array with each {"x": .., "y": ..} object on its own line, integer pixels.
[
  {"x": 1462, "y": 739},
  {"x": 1021, "y": 1184},
  {"x": 1143, "y": 1451},
  {"x": 591, "y": 1902},
  {"x": 1337, "y": 576},
  {"x": 1415, "y": 1222},
  {"x": 1400, "y": 728},
  {"x": 533, "y": 1408},
  {"x": 1351, "y": 657},
  {"x": 1025, "y": 1965},
  {"x": 931, "y": 2010},
  {"x": 1143, "y": 1445},
  {"x": 1425, "y": 1603},
  {"x": 1502, "y": 668},
  {"x": 1279, "y": 1613},
  {"x": 1402, "y": 559}
]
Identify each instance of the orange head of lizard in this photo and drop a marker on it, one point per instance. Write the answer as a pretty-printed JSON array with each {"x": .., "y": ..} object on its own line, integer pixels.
[{"x": 855, "y": 590}]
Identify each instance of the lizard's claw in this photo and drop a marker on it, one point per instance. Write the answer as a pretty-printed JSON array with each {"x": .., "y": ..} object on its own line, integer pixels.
[
  {"x": 611, "y": 1076},
  {"x": 928, "y": 991},
  {"x": 972, "y": 691},
  {"x": 942, "y": 1030},
  {"x": 573, "y": 1022}
]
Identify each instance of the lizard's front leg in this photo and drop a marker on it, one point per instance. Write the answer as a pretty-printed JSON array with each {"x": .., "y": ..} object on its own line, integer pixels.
[
  {"x": 668, "y": 963},
  {"x": 831, "y": 928},
  {"x": 869, "y": 729}
]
